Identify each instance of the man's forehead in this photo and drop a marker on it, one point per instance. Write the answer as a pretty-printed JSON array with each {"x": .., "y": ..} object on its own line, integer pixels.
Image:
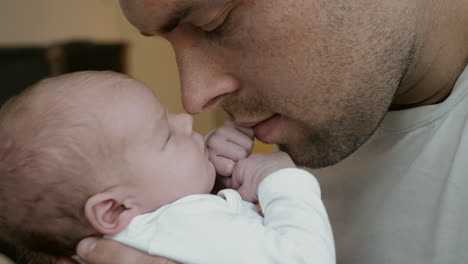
[{"x": 161, "y": 16}]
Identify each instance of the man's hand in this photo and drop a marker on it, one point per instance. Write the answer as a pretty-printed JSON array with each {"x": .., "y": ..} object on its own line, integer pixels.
[
  {"x": 250, "y": 172},
  {"x": 106, "y": 251},
  {"x": 226, "y": 146}
]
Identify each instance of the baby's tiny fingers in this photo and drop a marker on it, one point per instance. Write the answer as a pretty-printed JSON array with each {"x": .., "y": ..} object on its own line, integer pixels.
[
  {"x": 222, "y": 165},
  {"x": 247, "y": 131},
  {"x": 237, "y": 135}
]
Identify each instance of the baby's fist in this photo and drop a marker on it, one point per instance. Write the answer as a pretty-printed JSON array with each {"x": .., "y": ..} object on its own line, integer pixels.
[
  {"x": 227, "y": 145},
  {"x": 250, "y": 172}
]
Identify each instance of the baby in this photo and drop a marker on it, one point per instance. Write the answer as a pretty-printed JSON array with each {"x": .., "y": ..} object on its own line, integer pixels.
[{"x": 95, "y": 153}]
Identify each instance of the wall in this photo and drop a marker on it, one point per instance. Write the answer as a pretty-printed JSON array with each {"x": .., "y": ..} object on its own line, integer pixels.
[{"x": 47, "y": 21}]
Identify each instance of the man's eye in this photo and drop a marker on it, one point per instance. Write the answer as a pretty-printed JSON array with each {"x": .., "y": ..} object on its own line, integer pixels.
[{"x": 217, "y": 33}]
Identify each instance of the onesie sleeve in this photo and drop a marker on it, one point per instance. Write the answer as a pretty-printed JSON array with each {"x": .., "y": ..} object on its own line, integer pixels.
[{"x": 295, "y": 219}]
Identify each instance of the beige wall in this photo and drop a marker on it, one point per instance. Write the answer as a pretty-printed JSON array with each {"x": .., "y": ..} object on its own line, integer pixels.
[{"x": 46, "y": 21}]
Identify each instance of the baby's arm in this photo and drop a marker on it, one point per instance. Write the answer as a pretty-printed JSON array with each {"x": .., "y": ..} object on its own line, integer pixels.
[
  {"x": 296, "y": 226},
  {"x": 292, "y": 207},
  {"x": 226, "y": 146}
]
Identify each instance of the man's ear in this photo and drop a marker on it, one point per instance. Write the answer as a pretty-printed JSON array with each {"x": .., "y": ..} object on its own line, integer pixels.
[{"x": 109, "y": 212}]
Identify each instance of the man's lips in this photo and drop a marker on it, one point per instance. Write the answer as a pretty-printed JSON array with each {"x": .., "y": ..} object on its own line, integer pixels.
[{"x": 263, "y": 128}]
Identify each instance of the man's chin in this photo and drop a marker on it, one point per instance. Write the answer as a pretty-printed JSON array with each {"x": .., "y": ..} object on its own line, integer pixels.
[
  {"x": 307, "y": 155},
  {"x": 314, "y": 147}
]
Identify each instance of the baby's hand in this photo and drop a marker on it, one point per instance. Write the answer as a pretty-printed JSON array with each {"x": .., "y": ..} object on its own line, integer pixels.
[
  {"x": 227, "y": 145},
  {"x": 249, "y": 173}
]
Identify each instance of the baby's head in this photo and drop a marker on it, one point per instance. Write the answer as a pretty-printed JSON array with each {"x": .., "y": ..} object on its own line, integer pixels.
[{"x": 83, "y": 153}]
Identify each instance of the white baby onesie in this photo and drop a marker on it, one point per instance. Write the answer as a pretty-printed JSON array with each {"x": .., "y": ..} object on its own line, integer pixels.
[{"x": 210, "y": 229}]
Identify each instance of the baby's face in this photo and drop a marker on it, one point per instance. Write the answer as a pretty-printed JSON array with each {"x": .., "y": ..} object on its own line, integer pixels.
[
  {"x": 167, "y": 159},
  {"x": 178, "y": 162}
]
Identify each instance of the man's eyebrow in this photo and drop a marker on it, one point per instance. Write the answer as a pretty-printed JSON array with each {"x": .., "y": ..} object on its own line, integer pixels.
[{"x": 178, "y": 13}]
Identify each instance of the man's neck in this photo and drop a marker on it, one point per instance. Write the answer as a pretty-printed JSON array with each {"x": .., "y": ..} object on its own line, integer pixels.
[{"x": 441, "y": 54}]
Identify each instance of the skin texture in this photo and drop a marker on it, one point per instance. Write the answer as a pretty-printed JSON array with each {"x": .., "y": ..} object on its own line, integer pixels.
[
  {"x": 329, "y": 69},
  {"x": 250, "y": 172},
  {"x": 115, "y": 256},
  {"x": 227, "y": 145},
  {"x": 157, "y": 142}
]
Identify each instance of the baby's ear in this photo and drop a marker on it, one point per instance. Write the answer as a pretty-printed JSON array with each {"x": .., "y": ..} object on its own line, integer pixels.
[{"x": 109, "y": 212}]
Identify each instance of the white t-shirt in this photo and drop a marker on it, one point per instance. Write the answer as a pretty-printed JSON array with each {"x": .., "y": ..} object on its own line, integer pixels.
[
  {"x": 403, "y": 197},
  {"x": 210, "y": 229}
]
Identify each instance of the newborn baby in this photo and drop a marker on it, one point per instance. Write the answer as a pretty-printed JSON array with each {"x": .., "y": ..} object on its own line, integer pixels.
[{"x": 95, "y": 153}]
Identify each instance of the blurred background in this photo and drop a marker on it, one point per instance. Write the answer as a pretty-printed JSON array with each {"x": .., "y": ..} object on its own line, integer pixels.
[{"x": 50, "y": 37}]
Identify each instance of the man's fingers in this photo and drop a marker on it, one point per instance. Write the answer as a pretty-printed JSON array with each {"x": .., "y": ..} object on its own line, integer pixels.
[{"x": 105, "y": 251}]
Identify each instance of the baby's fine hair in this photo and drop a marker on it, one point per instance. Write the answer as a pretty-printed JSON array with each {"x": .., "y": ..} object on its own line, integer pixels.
[{"x": 49, "y": 152}]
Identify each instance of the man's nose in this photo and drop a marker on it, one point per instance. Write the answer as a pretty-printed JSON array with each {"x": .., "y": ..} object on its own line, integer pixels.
[{"x": 204, "y": 82}]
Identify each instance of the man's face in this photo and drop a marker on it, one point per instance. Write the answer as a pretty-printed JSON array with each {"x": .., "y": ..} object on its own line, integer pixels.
[{"x": 314, "y": 76}]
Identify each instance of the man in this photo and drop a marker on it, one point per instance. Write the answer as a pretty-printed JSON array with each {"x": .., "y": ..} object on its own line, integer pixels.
[{"x": 318, "y": 77}]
